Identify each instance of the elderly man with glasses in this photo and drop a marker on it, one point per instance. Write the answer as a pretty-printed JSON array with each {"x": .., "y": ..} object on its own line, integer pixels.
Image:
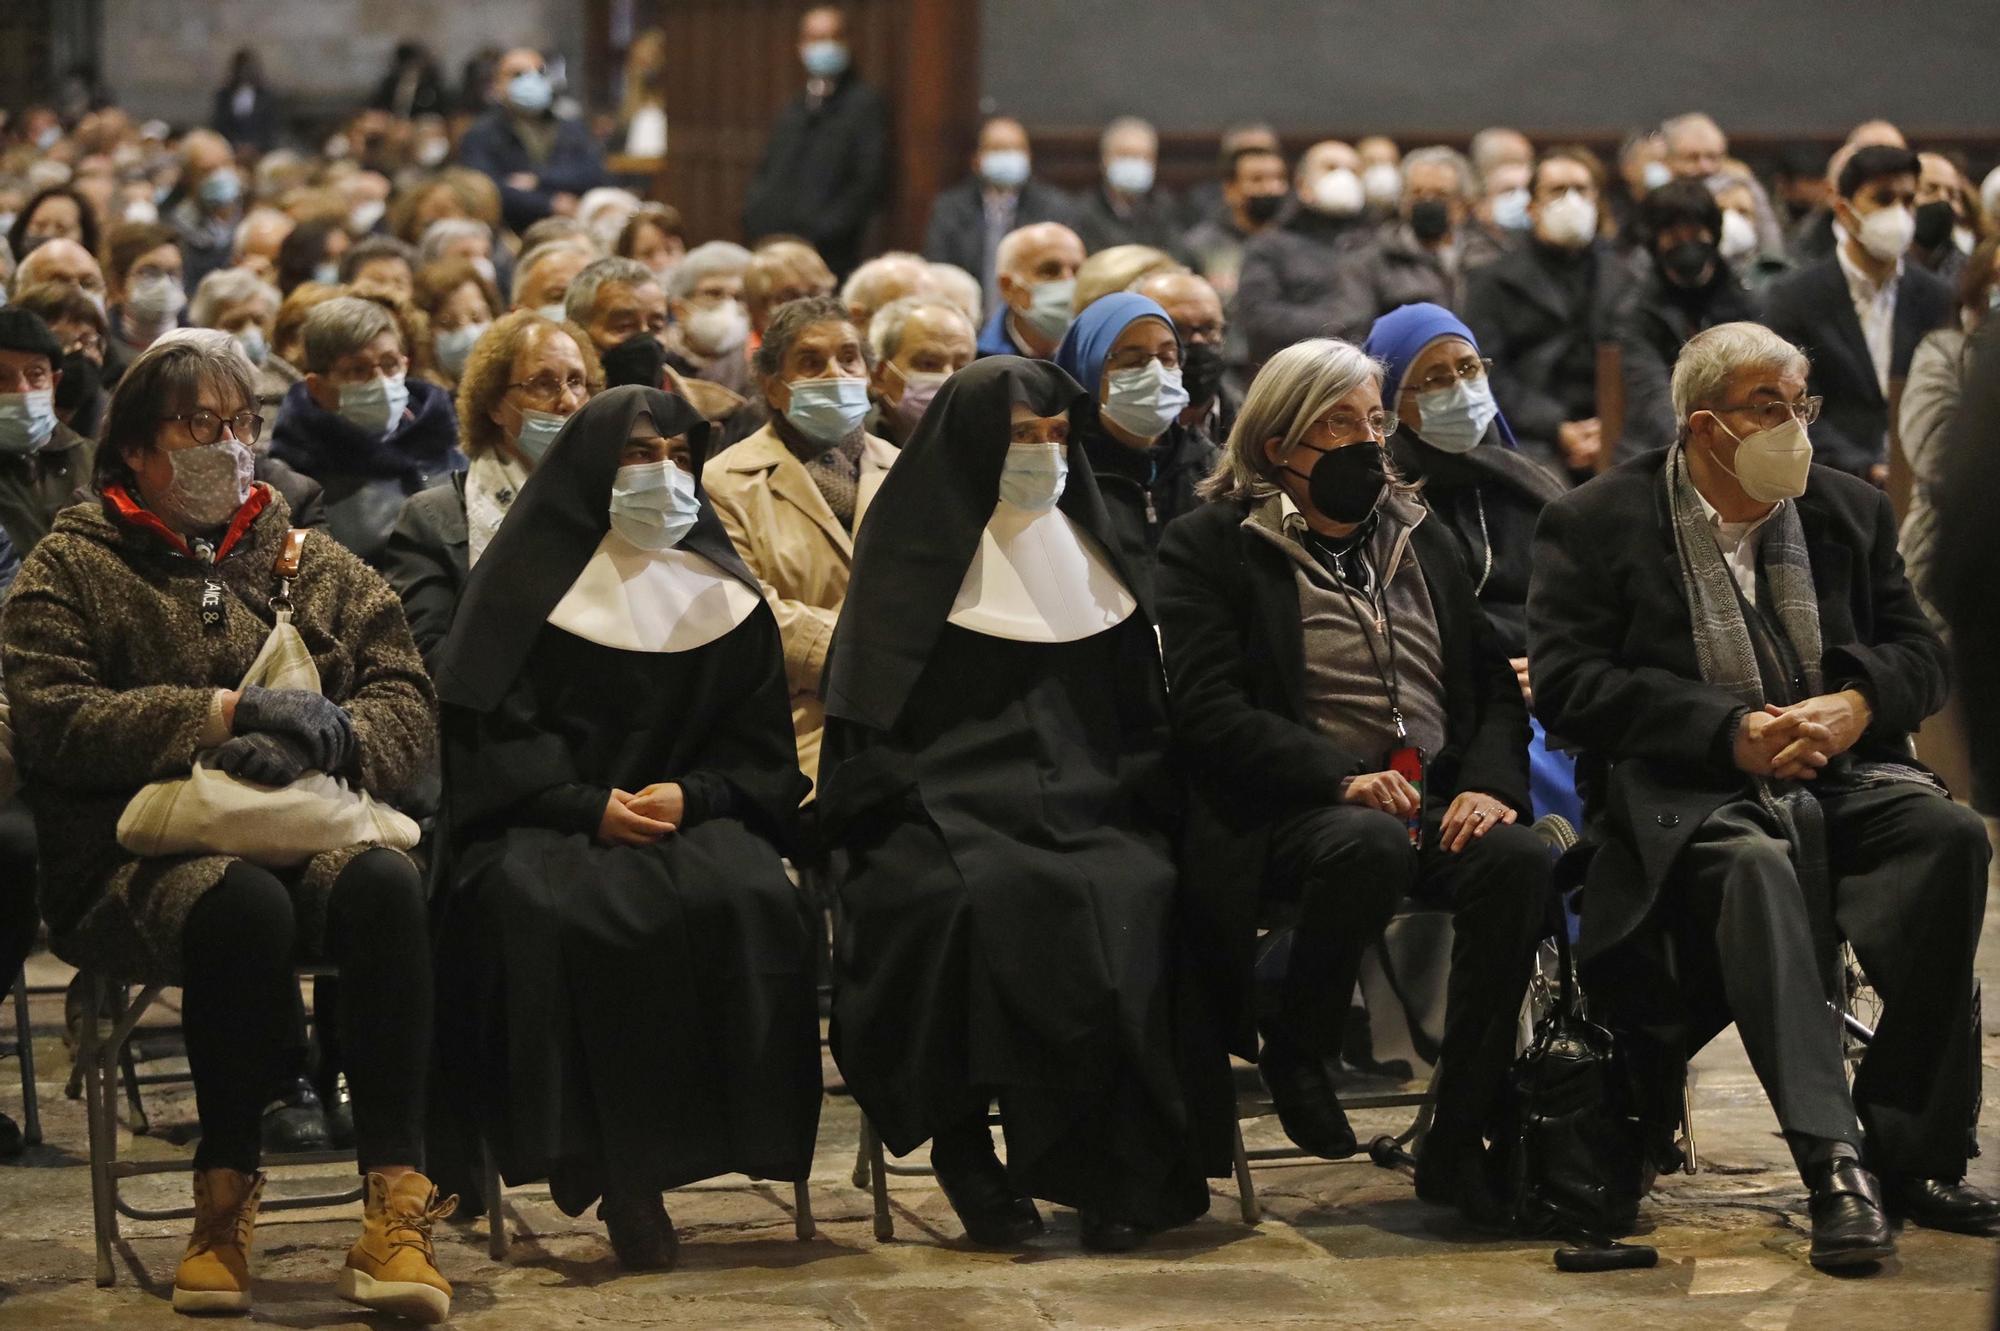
[{"x": 1726, "y": 631}]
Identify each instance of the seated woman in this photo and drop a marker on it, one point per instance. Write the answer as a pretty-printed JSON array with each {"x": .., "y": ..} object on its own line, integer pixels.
[
  {"x": 461, "y": 304},
  {"x": 527, "y": 376},
  {"x": 361, "y": 426},
  {"x": 998, "y": 792},
  {"x": 127, "y": 634},
  {"x": 1125, "y": 352},
  {"x": 1356, "y": 738},
  {"x": 634, "y": 971},
  {"x": 1454, "y": 441}
]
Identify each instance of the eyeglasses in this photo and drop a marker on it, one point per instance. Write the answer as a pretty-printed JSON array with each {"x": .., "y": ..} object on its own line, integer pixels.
[
  {"x": 88, "y": 344},
  {"x": 1344, "y": 426},
  {"x": 1440, "y": 377},
  {"x": 205, "y": 427},
  {"x": 546, "y": 387},
  {"x": 1773, "y": 415}
]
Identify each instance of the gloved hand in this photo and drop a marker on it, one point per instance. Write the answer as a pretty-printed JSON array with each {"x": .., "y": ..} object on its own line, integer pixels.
[
  {"x": 269, "y": 760},
  {"x": 323, "y": 732}
]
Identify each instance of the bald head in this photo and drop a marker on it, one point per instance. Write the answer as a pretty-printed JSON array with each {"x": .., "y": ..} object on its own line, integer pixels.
[
  {"x": 1189, "y": 301},
  {"x": 1876, "y": 131},
  {"x": 60, "y": 260},
  {"x": 1696, "y": 146},
  {"x": 1043, "y": 252},
  {"x": 1497, "y": 147}
]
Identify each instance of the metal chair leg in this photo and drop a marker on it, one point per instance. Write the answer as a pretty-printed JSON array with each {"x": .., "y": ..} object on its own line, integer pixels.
[
  {"x": 496, "y": 1204},
  {"x": 885, "y": 1224},
  {"x": 1246, "y": 1190},
  {"x": 24, "y": 1049},
  {"x": 802, "y": 1212},
  {"x": 120, "y": 1009},
  {"x": 1691, "y": 1157},
  {"x": 861, "y": 1164},
  {"x": 103, "y": 1218}
]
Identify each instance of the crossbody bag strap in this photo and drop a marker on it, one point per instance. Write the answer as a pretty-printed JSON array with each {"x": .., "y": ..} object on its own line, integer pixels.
[{"x": 285, "y": 568}]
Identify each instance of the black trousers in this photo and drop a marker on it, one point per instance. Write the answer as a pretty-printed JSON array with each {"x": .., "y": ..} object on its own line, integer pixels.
[
  {"x": 19, "y": 921},
  {"x": 1908, "y": 874},
  {"x": 1349, "y": 868},
  {"x": 239, "y": 1006}
]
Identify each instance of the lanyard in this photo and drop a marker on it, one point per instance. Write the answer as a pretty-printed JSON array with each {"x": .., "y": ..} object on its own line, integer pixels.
[{"x": 1382, "y": 626}]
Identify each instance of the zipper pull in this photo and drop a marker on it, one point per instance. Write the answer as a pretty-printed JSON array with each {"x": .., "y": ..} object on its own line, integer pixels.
[
  {"x": 1396, "y": 715},
  {"x": 203, "y": 551},
  {"x": 1152, "y": 514}
]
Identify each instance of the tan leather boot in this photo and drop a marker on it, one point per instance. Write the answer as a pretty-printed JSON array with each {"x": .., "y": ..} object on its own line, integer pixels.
[
  {"x": 214, "y": 1275},
  {"x": 392, "y": 1267}
]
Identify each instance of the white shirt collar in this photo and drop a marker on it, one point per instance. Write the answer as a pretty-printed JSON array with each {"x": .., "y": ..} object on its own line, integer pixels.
[{"x": 1861, "y": 286}]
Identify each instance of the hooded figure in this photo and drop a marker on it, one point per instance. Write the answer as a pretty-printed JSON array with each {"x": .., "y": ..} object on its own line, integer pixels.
[
  {"x": 1458, "y": 445},
  {"x": 1147, "y": 463},
  {"x": 634, "y": 970},
  {"x": 999, "y": 800}
]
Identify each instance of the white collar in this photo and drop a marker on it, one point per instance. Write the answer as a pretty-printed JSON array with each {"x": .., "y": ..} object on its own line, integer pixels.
[
  {"x": 1739, "y": 529},
  {"x": 1861, "y": 286},
  {"x": 1038, "y": 577},
  {"x": 651, "y": 600}
]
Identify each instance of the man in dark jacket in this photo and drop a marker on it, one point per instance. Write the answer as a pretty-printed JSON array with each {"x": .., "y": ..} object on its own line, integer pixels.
[
  {"x": 1687, "y": 286},
  {"x": 968, "y": 220},
  {"x": 1861, "y": 312},
  {"x": 1290, "y": 283},
  {"x": 541, "y": 162},
  {"x": 827, "y": 163},
  {"x": 1128, "y": 207},
  {"x": 1419, "y": 257},
  {"x": 1541, "y": 310},
  {"x": 1727, "y": 633}
]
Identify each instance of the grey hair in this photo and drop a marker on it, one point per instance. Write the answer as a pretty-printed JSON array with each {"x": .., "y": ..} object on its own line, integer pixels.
[
  {"x": 228, "y": 286},
  {"x": 960, "y": 288},
  {"x": 793, "y": 318},
  {"x": 340, "y": 327},
  {"x": 581, "y": 302},
  {"x": 577, "y": 244},
  {"x": 1437, "y": 154},
  {"x": 1712, "y": 357},
  {"x": 262, "y": 212},
  {"x": 885, "y": 330},
  {"x": 1295, "y": 388},
  {"x": 1122, "y": 123},
  {"x": 863, "y": 287},
  {"x": 1673, "y": 125},
  {"x": 715, "y": 258},
  {"x": 441, "y": 233}
]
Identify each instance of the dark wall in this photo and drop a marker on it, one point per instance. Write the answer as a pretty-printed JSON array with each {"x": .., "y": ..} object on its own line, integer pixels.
[{"x": 1776, "y": 67}]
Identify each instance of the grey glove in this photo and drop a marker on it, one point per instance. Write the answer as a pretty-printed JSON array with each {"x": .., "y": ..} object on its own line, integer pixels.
[
  {"x": 322, "y": 731},
  {"x": 269, "y": 760}
]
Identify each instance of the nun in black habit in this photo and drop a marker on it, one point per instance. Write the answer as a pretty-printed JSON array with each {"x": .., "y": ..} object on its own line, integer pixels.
[
  {"x": 999, "y": 803},
  {"x": 635, "y": 1005}
]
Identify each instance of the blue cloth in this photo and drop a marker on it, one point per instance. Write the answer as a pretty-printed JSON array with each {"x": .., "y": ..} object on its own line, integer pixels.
[
  {"x": 1552, "y": 779},
  {"x": 995, "y": 340},
  {"x": 1401, "y": 335},
  {"x": 1092, "y": 333}
]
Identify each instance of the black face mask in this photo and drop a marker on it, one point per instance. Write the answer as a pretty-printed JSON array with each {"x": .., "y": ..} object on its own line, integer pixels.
[
  {"x": 639, "y": 359},
  {"x": 1201, "y": 371},
  {"x": 1430, "y": 219},
  {"x": 82, "y": 378},
  {"x": 1934, "y": 223},
  {"x": 1261, "y": 208},
  {"x": 1685, "y": 263},
  {"x": 1346, "y": 484}
]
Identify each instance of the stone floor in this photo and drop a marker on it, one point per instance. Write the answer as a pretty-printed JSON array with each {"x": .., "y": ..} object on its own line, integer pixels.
[{"x": 1340, "y": 1245}]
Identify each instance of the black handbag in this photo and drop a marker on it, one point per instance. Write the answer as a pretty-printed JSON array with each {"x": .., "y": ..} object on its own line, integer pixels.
[{"x": 1579, "y": 1161}]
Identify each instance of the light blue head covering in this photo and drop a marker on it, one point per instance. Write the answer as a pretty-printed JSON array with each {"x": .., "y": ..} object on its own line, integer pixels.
[
  {"x": 1092, "y": 334},
  {"x": 1401, "y": 335}
]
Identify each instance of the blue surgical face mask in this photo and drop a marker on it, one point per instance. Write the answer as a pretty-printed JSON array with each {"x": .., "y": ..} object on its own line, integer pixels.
[
  {"x": 1455, "y": 418},
  {"x": 27, "y": 420},
  {"x": 654, "y": 505},
  {"x": 530, "y": 91},
  {"x": 454, "y": 345},
  {"x": 538, "y": 430},
  {"x": 1655, "y": 174},
  {"x": 824, "y": 60},
  {"x": 1129, "y": 175},
  {"x": 377, "y": 405},
  {"x": 826, "y": 411},
  {"x": 221, "y": 188},
  {"x": 251, "y": 339},
  {"x": 1033, "y": 476},
  {"x": 1145, "y": 401},
  {"x": 327, "y": 273},
  {"x": 1005, "y": 168},
  {"x": 1510, "y": 210},
  {"x": 1049, "y": 308}
]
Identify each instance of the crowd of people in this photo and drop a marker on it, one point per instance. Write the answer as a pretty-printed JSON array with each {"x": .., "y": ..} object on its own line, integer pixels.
[{"x": 1108, "y": 617}]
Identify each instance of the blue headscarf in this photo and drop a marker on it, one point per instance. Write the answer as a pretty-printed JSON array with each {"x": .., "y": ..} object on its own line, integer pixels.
[
  {"x": 1092, "y": 333},
  {"x": 1401, "y": 335}
]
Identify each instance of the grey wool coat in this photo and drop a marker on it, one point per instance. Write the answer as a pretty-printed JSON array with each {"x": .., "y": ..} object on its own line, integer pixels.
[{"x": 112, "y": 676}]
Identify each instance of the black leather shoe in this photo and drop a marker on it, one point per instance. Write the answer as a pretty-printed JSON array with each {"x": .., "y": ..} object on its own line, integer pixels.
[
  {"x": 12, "y": 1143},
  {"x": 1848, "y": 1226},
  {"x": 1100, "y": 1233},
  {"x": 975, "y": 1183},
  {"x": 1306, "y": 1103},
  {"x": 642, "y": 1233},
  {"x": 295, "y": 1122},
  {"x": 1950, "y": 1204}
]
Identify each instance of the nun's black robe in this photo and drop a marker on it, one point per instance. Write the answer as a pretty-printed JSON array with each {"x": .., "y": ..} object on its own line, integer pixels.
[
  {"x": 643, "y": 1014},
  {"x": 1008, "y": 916}
]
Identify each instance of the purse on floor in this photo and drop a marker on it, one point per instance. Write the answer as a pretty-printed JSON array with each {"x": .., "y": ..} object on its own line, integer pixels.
[{"x": 210, "y": 812}]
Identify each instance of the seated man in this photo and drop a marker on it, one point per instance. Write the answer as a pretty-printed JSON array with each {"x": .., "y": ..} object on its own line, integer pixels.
[
  {"x": 1037, "y": 266},
  {"x": 1728, "y": 630}
]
